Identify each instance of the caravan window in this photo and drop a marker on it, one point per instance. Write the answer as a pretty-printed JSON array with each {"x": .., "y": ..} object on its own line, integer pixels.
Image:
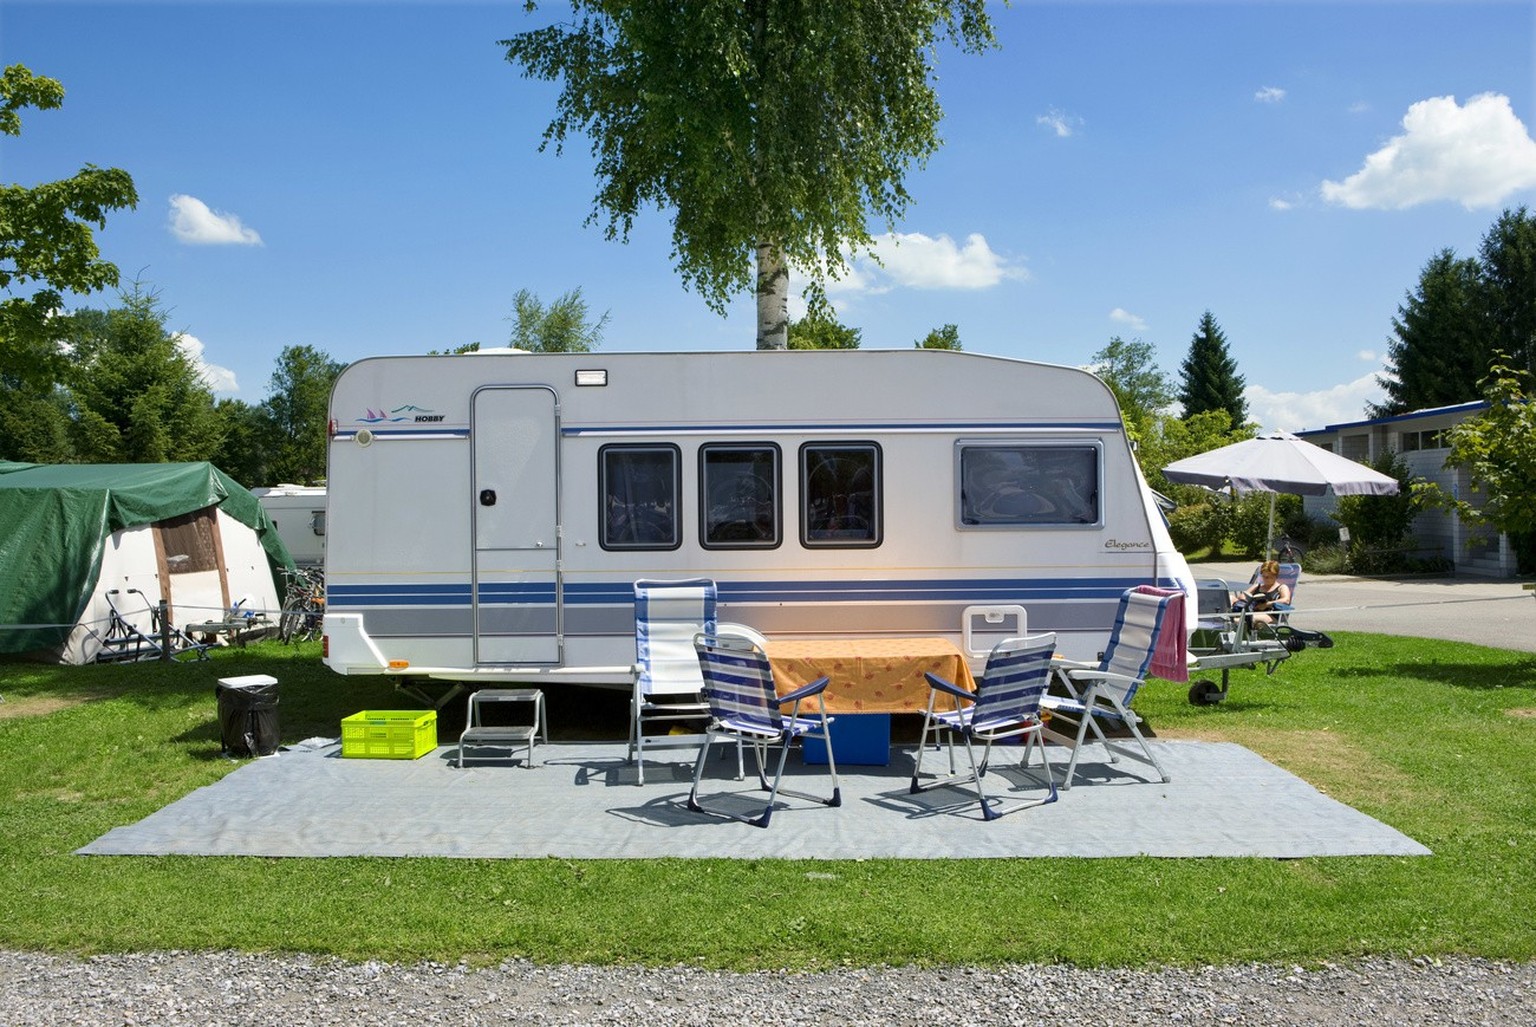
[
  {"x": 1017, "y": 485},
  {"x": 840, "y": 494},
  {"x": 639, "y": 488},
  {"x": 739, "y": 494}
]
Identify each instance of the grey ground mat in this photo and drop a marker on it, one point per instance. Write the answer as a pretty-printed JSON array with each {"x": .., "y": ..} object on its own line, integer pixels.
[{"x": 581, "y": 801}]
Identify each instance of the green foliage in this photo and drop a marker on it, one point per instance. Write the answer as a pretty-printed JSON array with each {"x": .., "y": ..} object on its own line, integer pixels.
[
  {"x": 565, "y": 326},
  {"x": 1497, "y": 448},
  {"x": 1464, "y": 313},
  {"x": 820, "y": 330},
  {"x": 1131, "y": 372},
  {"x": 947, "y": 337},
  {"x": 1440, "y": 345},
  {"x": 1208, "y": 377},
  {"x": 296, "y": 414},
  {"x": 1141, "y": 387},
  {"x": 1249, "y": 526},
  {"x": 46, "y": 241},
  {"x": 1199, "y": 527},
  {"x": 772, "y": 123},
  {"x": 1508, "y": 279},
  {"x": 1174, "y": 438},
  {"x": 86, "y": 749},
  {"x": 137, "y": 395},
  {"x": 1379, "y": 526},
  {"x": 246, "y": 452}
]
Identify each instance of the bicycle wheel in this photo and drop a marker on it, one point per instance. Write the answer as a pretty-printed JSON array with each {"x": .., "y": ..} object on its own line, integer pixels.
[
  {"x": 291, "y": 620},
  {"x": 309, "y": 628}
]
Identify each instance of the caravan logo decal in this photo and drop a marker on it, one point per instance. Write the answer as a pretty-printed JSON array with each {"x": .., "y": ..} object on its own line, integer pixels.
[{"x": 409, "y": 412}]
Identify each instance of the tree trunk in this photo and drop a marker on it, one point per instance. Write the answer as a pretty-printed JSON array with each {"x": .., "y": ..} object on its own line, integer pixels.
[{"x": 772, "y": 298}]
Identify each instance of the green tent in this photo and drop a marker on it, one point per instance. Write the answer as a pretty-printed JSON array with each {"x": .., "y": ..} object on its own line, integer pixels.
[{"x": 56, "y": 521}]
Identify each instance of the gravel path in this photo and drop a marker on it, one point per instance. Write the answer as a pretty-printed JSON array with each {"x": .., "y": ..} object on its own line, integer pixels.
[{"x": 172, "y": 989}]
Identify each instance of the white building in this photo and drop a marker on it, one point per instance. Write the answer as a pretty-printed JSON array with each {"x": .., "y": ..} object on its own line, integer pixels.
[{"x": 1420, "y": 438}]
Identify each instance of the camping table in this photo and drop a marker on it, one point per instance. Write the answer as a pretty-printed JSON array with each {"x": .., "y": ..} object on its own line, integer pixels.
[
  {"x": 237, "y": 631},
  {"x": 869, "y": 675},
  {"x": 871, "y": 678}
]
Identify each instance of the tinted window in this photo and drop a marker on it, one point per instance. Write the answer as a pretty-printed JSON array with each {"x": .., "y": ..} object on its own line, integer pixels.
[
  {"x": 840, "y": 494},
  {"x": 1003, "y": 485},
  {"x": 739, "y": 490},
  {"x": 639, "y": 492}
]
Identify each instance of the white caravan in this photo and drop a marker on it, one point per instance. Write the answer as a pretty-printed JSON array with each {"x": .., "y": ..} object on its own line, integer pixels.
[
  {"x": 298, "y": 511},
  {"x": 490, "y": 512}
]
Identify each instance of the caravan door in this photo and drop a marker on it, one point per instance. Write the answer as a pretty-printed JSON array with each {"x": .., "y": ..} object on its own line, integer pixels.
[{"x": 515, "y": 432}]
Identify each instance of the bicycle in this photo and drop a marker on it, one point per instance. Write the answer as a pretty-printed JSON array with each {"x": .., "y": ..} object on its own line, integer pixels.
[{"x": 303, "y": 610}]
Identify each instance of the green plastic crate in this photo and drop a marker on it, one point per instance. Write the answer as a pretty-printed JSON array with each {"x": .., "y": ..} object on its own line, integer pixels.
[{"x": 389, "y": 734}]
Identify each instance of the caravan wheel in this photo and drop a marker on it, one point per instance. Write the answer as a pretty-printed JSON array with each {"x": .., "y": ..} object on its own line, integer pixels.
[{"x": 1205, "y": 693}]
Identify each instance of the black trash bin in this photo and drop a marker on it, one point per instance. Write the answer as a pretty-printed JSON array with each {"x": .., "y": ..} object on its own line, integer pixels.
[{"x": 248, "y": 714}]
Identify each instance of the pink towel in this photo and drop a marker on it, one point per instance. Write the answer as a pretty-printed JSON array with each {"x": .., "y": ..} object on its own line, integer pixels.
[{"x": 1170, "y": 658}]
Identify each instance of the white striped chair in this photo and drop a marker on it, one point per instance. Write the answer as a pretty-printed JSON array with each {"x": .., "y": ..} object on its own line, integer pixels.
[
  {"x": 1005, "y": 705},
  {"x": 1104, "y": 691},
  {"x": 745, "y": 709}
]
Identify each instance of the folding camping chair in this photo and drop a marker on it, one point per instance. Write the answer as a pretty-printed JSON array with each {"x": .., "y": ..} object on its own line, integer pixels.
[
  {"x": 1280, "y": 629},
  {"x": 1105, "y": 691},
  {"x": 1006, "y": 704},
  {"x": 744, "y": 707},
  {"x": 668, "y": 685}
]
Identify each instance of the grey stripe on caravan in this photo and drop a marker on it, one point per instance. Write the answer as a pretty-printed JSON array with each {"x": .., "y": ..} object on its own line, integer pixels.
[{"x": 821, "y": 619}]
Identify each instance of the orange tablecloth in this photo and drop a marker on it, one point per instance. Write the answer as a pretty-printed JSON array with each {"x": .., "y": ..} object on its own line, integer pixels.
[{"x": 869, "y": 675}]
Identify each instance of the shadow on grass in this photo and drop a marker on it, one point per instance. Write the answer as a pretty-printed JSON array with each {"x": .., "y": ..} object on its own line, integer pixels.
[{"x": 1519, "y": 674}]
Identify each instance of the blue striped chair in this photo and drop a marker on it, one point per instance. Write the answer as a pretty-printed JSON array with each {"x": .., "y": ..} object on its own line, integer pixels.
[
  {"x": 1104, "y": 691},
  {"x": 744, "y": 708},
  {"x": 1005, "y": 705},
  {"x": 667, "y": 683}
]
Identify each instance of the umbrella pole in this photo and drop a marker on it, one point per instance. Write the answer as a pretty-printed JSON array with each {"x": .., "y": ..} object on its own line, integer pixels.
[{"x": 1269, "y": 539}]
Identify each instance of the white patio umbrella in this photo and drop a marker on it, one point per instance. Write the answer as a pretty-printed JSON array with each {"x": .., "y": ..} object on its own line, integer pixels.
[{"x": 1280, "y": 462}]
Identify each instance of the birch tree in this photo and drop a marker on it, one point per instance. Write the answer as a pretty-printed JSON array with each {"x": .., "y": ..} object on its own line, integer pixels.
[{"x": 775, "y": 130}]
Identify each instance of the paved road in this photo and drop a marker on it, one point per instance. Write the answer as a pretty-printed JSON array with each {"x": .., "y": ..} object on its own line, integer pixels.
[{"x": 1487, "y": 611}]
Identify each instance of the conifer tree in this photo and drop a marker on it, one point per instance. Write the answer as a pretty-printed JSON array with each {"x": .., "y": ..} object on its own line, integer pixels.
[
  {"x": 1208, "y": 377},
  {"x": 1508, "y": 278},
  {"x": 1440, "y": 346}
]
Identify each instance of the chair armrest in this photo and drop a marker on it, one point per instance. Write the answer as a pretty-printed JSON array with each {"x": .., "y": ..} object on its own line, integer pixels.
[
  {"x": 805, "y": 691},
  {"x": 938, "y": 684},
  {"x": 1094, "y": 674}
]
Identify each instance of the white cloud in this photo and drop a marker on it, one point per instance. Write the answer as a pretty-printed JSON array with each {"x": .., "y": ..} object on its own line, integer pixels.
[
  {"x": 1280, "y": 203},
  {"x": 1368, "y": 355},
  {"x": 219, "y": 379},
  {"x": 1270, "y": 94},
  {"x": 1132, "y": 321},
  {"x": 1296, "y": 411},
  {"x": 1059, "y": 122},
  {"x": 913, "y": 260},
  {"x": 1476, "y": 155},
  {"x": 192, "y": 222}
]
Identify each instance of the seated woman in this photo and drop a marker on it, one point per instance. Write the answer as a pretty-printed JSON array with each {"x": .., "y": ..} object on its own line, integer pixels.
[{"x": 1269, "y": 593}]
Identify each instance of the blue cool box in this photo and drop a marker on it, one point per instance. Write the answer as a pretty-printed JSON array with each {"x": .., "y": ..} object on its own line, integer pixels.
[{"x": 857, "y": 738}]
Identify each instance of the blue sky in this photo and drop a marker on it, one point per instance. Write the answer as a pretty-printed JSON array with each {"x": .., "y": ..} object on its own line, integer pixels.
[{"x": 365, "y": 178}]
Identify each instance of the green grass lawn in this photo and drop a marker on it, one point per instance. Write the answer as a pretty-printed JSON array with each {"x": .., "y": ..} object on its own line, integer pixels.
[{"x": 1436, "y": 739}]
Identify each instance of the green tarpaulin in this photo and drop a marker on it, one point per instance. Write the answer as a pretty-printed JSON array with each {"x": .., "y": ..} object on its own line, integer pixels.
[{"x": 55, "y": 520}]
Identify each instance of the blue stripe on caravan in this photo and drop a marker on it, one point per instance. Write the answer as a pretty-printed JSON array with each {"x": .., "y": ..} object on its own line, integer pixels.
[{"x": 622, "y": 593}]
